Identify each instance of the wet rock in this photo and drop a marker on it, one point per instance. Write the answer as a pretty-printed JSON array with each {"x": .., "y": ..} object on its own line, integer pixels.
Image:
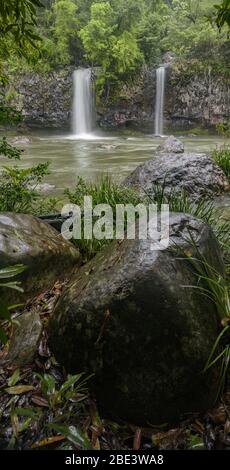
[
  {"x": 24, "y": 341},
  {"x": 26, "y": 240},
  {"x": 43, "y": 187},
  {"x": 127, "y": 317},
  {"x": 196, "y": 174},
  {"x": 21, "y": 140},
  {"x": 171, "y": 145},
  {"x": 107, "y": 147},
  {"x": 191, "y": 99}
]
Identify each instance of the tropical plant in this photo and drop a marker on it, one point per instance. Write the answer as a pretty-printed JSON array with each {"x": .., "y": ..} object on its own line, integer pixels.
[
  {"x": 223, "y": 14},
  {"x": 221, "y": 155},
  {"x": 213, "y": 285},
  {"x": 223, "y": 128},
  {"x": 65, "y": 404},
  {"x": 102, "y": 192},
  {"x": 18, "y": 186}
]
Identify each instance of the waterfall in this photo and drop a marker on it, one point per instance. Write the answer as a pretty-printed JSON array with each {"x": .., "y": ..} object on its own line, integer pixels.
[
  {"x": 82, "y": 120},
  {"x": 160, "y": 94}
]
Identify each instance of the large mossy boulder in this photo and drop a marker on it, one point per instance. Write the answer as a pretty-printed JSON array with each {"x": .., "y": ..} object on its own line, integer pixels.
[
  {"x": 195, "y": 174},
  {"x": 128, "y": 317},
  {"x": 26, "y": 240}
]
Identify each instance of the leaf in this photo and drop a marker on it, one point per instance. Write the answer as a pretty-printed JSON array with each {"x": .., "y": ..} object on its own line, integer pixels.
[
  {"x": 19, "y": 389},
  {"x": 137, "y": 439},
  {"x": 14, "y": 378},
  {"x": 70, "y": 381},
  {"x": 26, "y": 412},
  {"x": 74, "y": 435},
  {"x": 12, "y": 271},
  {"x": 48, "y": 441},
  {"x": 48, "y": 384},
  {"x": 40, "y": 401},
  {"x": 12, "y": 285}
]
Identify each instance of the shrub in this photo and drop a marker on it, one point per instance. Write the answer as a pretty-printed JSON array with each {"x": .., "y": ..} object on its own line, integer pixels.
[
  {"x": 103, "y": 192},
  {"x": 18, "y": 186},
  {"x": 223, "y": 128},
  {"x": 215, "y": 287},
  {"x": 221, "y": 156}
]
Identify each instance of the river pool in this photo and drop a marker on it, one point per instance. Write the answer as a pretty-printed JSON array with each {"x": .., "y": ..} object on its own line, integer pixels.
[{"x": 116, "y": 155}]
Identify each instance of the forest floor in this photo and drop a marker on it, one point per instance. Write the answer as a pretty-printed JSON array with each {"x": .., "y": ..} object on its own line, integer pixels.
[{"x": 43, "y": 408}]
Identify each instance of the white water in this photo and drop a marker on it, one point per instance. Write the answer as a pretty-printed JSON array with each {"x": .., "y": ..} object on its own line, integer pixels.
[
  {"x": 82, "y": 117},
  {"x": 160, "y": 95}
]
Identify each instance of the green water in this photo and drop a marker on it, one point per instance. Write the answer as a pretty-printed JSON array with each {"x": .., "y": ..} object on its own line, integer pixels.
[{"x": 111, "y": 154}]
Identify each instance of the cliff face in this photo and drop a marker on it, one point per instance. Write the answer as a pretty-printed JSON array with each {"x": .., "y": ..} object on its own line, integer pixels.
[
  {"x": 200, "y": 99},
  {"x": 45, "y": 100},
  {"x": 190, "y": 101}
]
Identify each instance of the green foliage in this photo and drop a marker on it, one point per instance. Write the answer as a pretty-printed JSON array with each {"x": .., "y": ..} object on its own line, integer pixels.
[
  {"x": 223, "y": 128},
  {"x": 56, "y": 396},
  {"x": 9, "y": 114},
  {"x": 213, "y": 285},
  {"x": 119, "y": 36},
  {"x": 18, "y": 186},
  {"x": 17, "y": 29},
  {"x": 221, "y": 156},
  {"x": 223, "y": 14},
  {"x": 17, "y": 17},
  {"x": 190, "y": 33},
  {"x": 111, "y": 44},
  {"x": 5, "y": 310},
  {"x": 62, "y": 45},
  {"x": 103, "y": 192},
  {"x": 9, "y": 151},
  {"x": 59, "y": 405}
]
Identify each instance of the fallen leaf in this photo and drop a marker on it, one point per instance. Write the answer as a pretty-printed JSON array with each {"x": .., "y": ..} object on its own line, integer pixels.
[
  {"x": 19, "y": 389},
  {"x": 39, "y": 401},
  {"x": 137, "y": 439},
  {"x": 227, "y": 427},
  {"x": 48, "y": 441}
]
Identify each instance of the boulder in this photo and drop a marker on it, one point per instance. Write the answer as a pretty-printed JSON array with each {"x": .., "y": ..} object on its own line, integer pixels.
[
  {"x": 196, "y": 174},
  {"x": 25, "y": 239},
  {"x": 21, "y": 140},
  {"x": 171, "y": 145},
  {"x": 25, "y": 339},
  {"x": 128, "y": 317}
]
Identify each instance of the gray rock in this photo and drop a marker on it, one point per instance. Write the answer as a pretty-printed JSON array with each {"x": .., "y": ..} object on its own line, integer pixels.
[
  {"x": 171, "y": 145},
  {"x": 127, "y": 317},
  {"x": 43, "y": 187},
  {"x": 24, "y": 239},
  {"x": 107, "y": 147},
  {"x": 25, "y": 339},
  {"x": 21, "y": 140},
  {"x": 196, "y": 174}
]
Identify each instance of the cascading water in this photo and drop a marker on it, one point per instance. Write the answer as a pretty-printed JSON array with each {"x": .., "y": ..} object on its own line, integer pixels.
[
  {"x": 82, "y": 117},
  {"x": 160, "y": 95}
]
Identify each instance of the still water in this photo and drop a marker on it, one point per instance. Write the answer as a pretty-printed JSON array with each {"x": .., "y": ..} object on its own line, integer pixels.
[{"x": 113, "y": 154}]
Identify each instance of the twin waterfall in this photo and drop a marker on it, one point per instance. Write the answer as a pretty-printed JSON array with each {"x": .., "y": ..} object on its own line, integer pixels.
[
  {"x": 83, "y": 103},
  {"x": 82, "y": 117},
  {"x": 159, "y": 107}
]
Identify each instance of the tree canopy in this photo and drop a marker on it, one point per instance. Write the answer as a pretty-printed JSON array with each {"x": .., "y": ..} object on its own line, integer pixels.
[{"x": 118, "y": 36}]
